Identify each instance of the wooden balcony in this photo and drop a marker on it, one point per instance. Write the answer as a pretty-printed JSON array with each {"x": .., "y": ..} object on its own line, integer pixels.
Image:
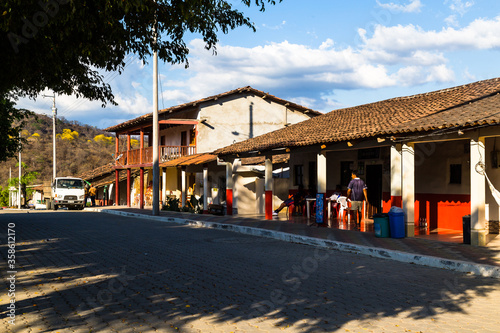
[{"x": 166, "y": 153}]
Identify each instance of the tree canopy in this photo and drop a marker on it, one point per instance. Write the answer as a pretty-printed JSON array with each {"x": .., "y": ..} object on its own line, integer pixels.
[{"x": 62, "y": 44}]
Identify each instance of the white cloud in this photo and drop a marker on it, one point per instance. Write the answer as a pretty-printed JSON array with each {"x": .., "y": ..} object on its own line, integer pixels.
[
  {"x": 459, "y": 6},
  {"x": 468, "y": 76},
  {"x": 133, "y": 105},
  {"x": 416, "y": 75},
  {"x": 452, "y": 20},
  {"x": 479, "y": 34},
  {"x": 412, "y": 7},
  {"x": 306, "y": 70},
  {"x": 276, "y": 27}
]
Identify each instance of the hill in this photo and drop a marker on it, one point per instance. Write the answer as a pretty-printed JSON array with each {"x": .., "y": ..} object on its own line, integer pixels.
[{"x": 79, "y": 148}]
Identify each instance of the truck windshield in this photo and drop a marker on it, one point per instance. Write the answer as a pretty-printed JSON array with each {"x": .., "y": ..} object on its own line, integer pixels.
[{"x": 70, "y": 183}]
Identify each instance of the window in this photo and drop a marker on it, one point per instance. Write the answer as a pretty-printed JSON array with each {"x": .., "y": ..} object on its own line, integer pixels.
[
  {"x": 298, "y": 174},
  {"x": 455, "y": 173}
]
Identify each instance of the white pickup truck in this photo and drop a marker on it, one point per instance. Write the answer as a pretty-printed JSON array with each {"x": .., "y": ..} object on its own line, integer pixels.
[{"x": 68, "y": 192}]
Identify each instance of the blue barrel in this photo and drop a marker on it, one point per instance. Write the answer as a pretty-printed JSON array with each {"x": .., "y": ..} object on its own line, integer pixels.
[
  {"x": 397, "y": 224},
  {"x": 381, "y": 225}
]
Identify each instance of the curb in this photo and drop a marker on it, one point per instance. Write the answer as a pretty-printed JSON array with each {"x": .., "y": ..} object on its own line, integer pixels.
[{"x": 436, "y": 262}]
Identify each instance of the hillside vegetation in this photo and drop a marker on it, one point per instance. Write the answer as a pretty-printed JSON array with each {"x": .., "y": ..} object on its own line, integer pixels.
[{"x": 79, "y": 148}]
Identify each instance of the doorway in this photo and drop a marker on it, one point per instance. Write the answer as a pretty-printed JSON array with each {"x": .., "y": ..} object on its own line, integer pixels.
[{"x": 374, "y": 184}]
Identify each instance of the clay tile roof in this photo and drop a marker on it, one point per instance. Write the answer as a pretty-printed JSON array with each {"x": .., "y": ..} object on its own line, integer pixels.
[
  {"x": 98, "y": 172},
  {"x": 195, "y": 159},
  {"x": 467, "y": 105},
  {"x": 186, "y": 106},
  {"x": 259, "y": 160}
]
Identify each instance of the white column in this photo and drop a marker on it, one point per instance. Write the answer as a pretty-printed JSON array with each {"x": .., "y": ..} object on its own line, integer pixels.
[
  {"x": 183, "y": 187},
  {"x": 408, "y": 186},
  {"x": 205, "y": 189},
  {"x": 229, "y": 188},
  {"x": 477, "y": 192},
  {"x": 236, "y": 165},
  {"x": 268, "y": 185},
  {"x": 321, "y": 188},
  {"x": 164, "y": 186},
  {"x": 396, "y": 175},
  {"x": 321, "y": 162}
]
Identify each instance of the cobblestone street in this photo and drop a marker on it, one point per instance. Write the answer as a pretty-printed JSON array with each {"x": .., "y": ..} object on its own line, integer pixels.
[{"x": 93, "y": 272}]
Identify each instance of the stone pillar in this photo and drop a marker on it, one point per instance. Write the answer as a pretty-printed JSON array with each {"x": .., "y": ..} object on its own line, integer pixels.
[
  {"x": 229, "y": 188},
  {"x": 205, "y": 189},
  {"x": 269, "y": 187},
  {"x": 408, "y": 186},
  {"x": 477, "y": 192},
  {"x": 396, "y": 175},
  {"x": 321, "y": 188}
]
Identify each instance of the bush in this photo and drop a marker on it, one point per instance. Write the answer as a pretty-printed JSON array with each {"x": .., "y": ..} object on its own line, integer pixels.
[{"x": 172, "y": 205}]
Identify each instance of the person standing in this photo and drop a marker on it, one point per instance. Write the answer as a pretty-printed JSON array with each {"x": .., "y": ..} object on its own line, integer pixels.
[
  {"x": 86, "y": 195},
  {"x": 92, "y": 193},
  {"x": 357, "y": 191}
]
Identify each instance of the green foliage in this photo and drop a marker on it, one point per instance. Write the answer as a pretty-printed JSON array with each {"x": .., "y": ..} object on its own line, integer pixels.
[
  {"x": 27, "y": 178},
  {"x": 172, "y": 205},
  {"x": 61, "y": 44},
  {"x": 4, "y": 196},
  {"x": 12, "y": 121}
]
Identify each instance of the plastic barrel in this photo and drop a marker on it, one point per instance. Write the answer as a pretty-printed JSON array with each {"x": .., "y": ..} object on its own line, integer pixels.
[
  {"x": 381, "y": 225},
  {"x": 397, "y": 224}
]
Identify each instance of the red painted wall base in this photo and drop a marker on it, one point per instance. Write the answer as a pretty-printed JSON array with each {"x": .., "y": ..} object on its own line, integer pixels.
[
  {"x": 444, "y": 211},
  {"x": 269, "y": 205},
  {"x": 229, "y": 201}
]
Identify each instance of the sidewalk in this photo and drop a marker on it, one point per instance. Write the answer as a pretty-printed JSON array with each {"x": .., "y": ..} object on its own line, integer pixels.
[{"x": 483, "y": 261}]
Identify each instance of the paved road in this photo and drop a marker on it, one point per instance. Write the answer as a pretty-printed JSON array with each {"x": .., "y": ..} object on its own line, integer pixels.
[{"x": 91, "y": 272}]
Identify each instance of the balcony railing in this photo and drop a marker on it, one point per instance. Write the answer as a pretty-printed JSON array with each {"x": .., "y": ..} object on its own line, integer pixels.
[{"x": 166, "y": 153}]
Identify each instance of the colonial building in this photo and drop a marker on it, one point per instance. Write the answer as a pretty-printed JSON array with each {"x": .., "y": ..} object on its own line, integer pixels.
[
  {"x": 188, "y": 133},
  {"x": 430, "y": 154}
]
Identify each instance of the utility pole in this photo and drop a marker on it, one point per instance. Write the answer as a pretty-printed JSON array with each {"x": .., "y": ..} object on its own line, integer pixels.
[
  {"x": 10, "y": 192},
  {"x": 19, "y": 194},
  {"x": 54, "y": 115},
  {"x": 156, "y": 163}
]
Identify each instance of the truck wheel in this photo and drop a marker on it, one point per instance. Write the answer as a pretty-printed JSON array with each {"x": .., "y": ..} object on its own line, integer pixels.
[{"x": 54, "y": 206}]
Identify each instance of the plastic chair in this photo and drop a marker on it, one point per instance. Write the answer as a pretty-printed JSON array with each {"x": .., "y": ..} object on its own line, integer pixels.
[{"x": 344, "y": 205}]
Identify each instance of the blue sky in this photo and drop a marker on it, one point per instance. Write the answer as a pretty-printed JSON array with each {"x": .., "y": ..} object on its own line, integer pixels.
[{"x": 323, "y": 54}]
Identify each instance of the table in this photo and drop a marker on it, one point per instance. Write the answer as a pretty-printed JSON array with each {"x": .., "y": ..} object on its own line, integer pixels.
[{"x": 308, "y": 202}]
